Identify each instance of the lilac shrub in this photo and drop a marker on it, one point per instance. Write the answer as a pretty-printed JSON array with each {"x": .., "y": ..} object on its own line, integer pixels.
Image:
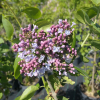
[{"x": 45, "y": 51}]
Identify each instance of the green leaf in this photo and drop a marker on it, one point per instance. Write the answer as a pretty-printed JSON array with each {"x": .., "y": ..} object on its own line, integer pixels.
[
  {"x": 91, "y": 12},
  {"x": 68, "y": 81},
  {"x": 81, "y": 71},
  {"x": 64, "y": 98},
  {"x": 16, "y": 40},
  {"x": 1, "y": 94},
  {"x": 95, "y": 43},
  {"x": 4, "y": 48},
  {"x": 38, "y": 85},
  {"x": 32, "y": 12},
  {"x": 74, "y": 40},
  {"x": 20, "y": 78},
  {"x": 45, "y": 28},
  {"x": 18, "y": 98},
  {"x": 41, "y": 23},
  {"x": 16, "y": 67},
  {"x": 98, "y": 92},
  {"x": 29, "y": 92},
  {"x": 96, "y": 2},
  {"x": 95, "y": 29},
  {"x": 78, "y": 37},
  {"x": 8, "y": 27},
  {"x": 0, "y": 18},
  {"x": 1, "y": 40},
  {"x": 84, "y": 59},
  {"x": 82, "y": 17}
]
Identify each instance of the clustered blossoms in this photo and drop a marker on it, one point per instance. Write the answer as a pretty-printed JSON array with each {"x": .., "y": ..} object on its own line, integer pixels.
[{"x": 45, "y": 51}]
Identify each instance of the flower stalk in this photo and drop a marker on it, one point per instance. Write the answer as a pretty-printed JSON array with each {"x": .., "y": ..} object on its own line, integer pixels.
[{"x": 51, "y": 88}]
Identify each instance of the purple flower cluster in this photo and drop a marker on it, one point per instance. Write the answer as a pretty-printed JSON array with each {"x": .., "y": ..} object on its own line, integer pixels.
[{"x": 43, "y": 51}]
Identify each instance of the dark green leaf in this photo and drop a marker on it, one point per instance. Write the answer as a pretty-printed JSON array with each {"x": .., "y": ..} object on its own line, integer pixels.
[
  {"x": 93, "y": 11},
  {"x": 95, "y": 29},
  {"x": 32, "y": 12},
  {"x": 8, "y": 27},
  {"x": 95, "y": 43},
  {"x": 20, "y": 78},
  {"x": 16, "y": 40},
  {"x": 41, "y": 23},
  {"x": 4, "y": 48},
  {"x": 81, "y": 71},
  {"x": 84, "y": 59},
  {"x": 16, "y": 67},
  {"x": 98, "y": 92},
  {"x": 29, "y": 92},
  {"x": 74, "y": 40}
]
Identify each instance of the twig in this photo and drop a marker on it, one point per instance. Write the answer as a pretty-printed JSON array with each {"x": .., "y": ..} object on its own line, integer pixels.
[{"x": 51, "y": 88}]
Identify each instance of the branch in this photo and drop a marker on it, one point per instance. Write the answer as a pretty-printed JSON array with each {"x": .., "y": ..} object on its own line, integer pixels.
[{"x": 51, "y": 88}]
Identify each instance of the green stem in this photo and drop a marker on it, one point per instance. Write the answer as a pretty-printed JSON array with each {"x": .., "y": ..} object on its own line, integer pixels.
[
  {"x": 51, "y": 88},
  {"x": 45, "y": 84},
  {"x": 85, "y": 40},
  {"x": 13, "y": 13}
]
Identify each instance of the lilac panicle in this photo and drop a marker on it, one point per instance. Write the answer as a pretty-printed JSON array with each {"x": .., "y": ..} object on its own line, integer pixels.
[{"x": 45, "y": 51}]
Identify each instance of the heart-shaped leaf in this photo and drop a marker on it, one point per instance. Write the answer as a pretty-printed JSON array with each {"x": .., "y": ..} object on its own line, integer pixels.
[
  {"x": 29, "y": 92},
  {"x": 8, "y": 27},
  {"x": 32, "y": 12},
  {"x": 16, "y": 67}
]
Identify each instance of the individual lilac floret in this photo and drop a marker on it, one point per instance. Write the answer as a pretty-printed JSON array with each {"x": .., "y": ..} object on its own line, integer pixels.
[
  {"x": 41, "y": 58},
  {"x": 33, "y": 50},
  {"x": 34, "y": 45},
  {"x": 34, "y": 28},
  {"x": 27, "y": 58},
  {"x": 47, "y": 66},
  {"x": 73, "y": 24},
  {"x": 49, "y": 30},
  {"x": 60, "y": 21},
  {"x": 60, "y": 30},
  {"x": 31, "y": 74},
  {"x": 21, "y": 55},
  {"x": 56, "y": 49},
  {"x": 29, "y": 27},
  {"x": 67, "y": 32},
  {"x": 65, "y": 73}
]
